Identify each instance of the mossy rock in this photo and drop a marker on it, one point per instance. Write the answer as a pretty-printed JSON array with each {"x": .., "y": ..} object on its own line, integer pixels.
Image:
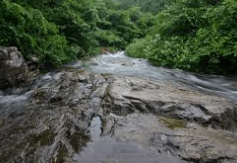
[
  {"x": 78, "y": 140},
  {"x": 106, "y": 74},
  {"x": 44, "y": 138},
  {"x": 62, "y": 154},
  {"x": 173, "y": 123},
  {"x": 40, "y": 93}
]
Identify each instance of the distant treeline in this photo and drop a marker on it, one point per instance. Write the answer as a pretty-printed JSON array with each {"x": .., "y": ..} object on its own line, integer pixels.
[
  {"x": 198, "y": 36},
  {"x": 57, "y": 31},
  {"x": 194, "y": 35}
]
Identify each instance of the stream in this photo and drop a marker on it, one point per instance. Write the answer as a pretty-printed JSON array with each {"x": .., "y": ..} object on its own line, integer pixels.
[
  {"x": 120, "y": 64},
  {"x": 40, "y": 119}
]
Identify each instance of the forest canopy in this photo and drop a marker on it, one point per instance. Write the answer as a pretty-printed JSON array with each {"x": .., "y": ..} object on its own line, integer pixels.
[
  {"x": 57, "y": 31},
  {"x": 198, "y": 36}
]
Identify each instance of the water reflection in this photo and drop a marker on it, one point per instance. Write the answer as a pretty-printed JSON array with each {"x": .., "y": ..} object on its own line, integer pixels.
[{"x": 107, "y": 150}]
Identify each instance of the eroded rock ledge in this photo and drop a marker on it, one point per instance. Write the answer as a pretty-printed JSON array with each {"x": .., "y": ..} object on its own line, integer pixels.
[{"x": 172, "y": 118}]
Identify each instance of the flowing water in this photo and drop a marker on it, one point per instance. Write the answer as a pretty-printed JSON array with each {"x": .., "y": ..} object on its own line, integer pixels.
[
  {"x": 119, "y": 63},
  {"x": 104, "y": 148}
]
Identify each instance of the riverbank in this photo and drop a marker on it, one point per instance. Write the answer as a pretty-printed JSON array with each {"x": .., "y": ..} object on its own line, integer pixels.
[{"x": 115, "y": 111}]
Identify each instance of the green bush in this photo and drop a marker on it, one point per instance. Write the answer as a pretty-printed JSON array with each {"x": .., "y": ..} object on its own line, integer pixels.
[
  {"x": 198, "y": 36},
  {"x": 28, "y": 29},
  {"x": 153, "y": 6},
  {"x": 57, "y": 31}
]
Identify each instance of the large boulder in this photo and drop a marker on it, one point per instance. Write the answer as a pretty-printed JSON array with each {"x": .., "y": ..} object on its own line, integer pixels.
[{"x": 13, "y": 68}]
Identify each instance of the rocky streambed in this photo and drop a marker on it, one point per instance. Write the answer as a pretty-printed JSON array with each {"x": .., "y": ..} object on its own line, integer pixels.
[{"x": 110, "y": 115}]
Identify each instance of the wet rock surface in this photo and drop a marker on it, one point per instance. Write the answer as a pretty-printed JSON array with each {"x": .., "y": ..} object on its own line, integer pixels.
[
  {"x": 74, "y": 116},
  {"x": 50, "y": 126},
  {"x": 140, "y": 118},
  {"x": 13, "y": 69},
  {"x": 190, "y": 142},
  {"x": 133, "y": 94},
  {"x": 175, "y": 120}
]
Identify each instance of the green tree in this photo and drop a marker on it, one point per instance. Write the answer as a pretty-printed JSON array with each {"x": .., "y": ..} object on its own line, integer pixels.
[
  {"x": 198, "y": 36},
  {"x": 57, "y": 31}
]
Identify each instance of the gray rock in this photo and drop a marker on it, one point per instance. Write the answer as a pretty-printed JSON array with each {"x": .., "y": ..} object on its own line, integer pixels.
[
  {"x": 165, "y": 99},
  {"x": 175, "y": 121},
  {"x": 33, "y": 63},
  {"x": 179, "y": 124},
  {"x": 13, "y": 69},
  {"x": 192, "y": 143}
]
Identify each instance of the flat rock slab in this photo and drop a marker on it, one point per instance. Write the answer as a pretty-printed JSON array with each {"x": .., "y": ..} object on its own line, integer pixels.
[
  {"x": 131, "y": 94},
  {"x": 191, "y": 142},
  {"x": 172, "y": 118},
  {"x": 175, "y": 122}
]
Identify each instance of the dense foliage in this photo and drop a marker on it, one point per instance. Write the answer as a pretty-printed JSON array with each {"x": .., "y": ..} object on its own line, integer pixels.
[
  {"x": 60, "y": 30},
  {"x": 153, "y": 6},
  {"x": 193, "y": 35},
  {"x": 198, "y": 36}
]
